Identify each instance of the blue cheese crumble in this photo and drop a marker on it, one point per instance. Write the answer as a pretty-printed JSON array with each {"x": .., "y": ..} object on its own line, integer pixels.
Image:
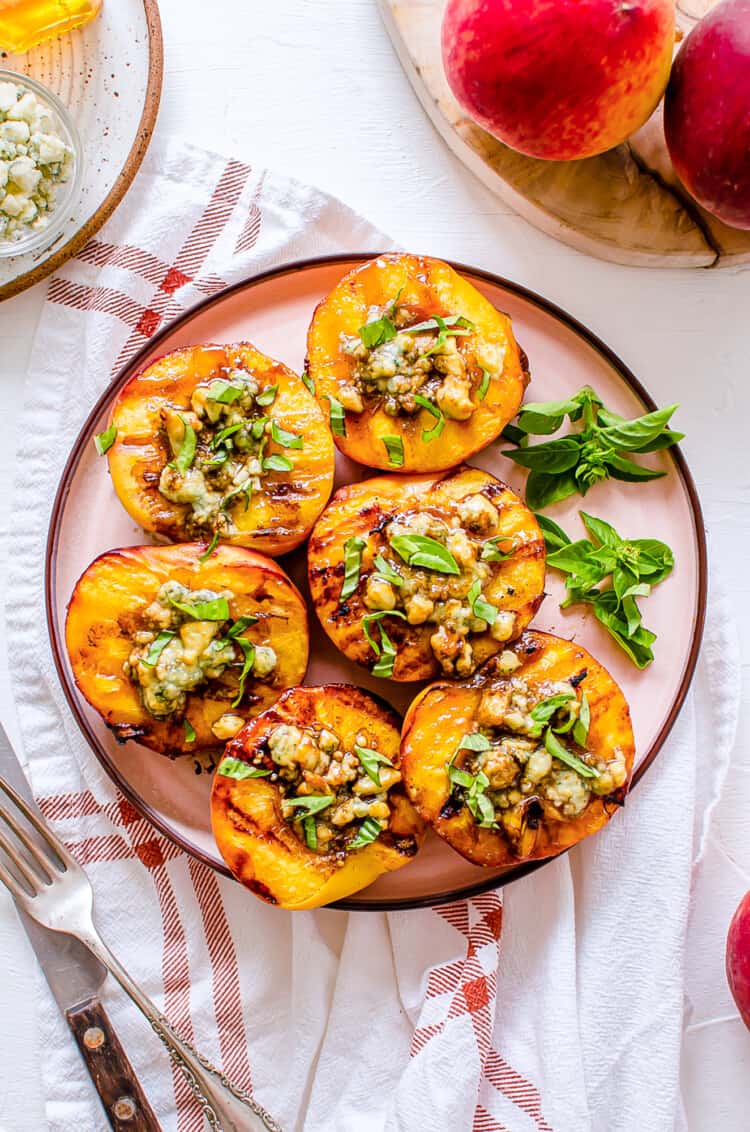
[{"x": 34, "y": 161}]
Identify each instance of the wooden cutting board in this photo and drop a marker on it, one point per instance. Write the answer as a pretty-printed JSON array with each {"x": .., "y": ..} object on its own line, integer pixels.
[{"x": 625, "y": 205}]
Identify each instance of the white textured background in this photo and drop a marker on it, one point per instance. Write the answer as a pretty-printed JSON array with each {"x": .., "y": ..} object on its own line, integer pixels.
[{"x": 314, "y": 90}]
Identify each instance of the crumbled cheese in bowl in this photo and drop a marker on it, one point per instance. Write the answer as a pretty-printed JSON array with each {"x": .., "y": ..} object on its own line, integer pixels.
[{"x": 37, "y": 163}]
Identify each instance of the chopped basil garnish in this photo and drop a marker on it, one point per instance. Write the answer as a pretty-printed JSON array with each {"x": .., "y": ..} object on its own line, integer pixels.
[
  {"x": 284, "y": 438},
  {"x": 186, "y": 455},
  {"x": 385, "y": 650},
  {"x": 368, "y": 832},
  {"x": 310, "y": 831},
  {"x": 386, "y": 572},
  {"x": 216, "y": 610},
  {"x": 377, "y": 332},
  {"x": 248, "y": 652},
  {"x": 103, "y": 441},
  {"x": 210, "y": 549},
  {"x": 479, "y": 606},
  {"x": 268, "y": 396},
  {"x": 225, "y": 433},
  {"x": 189, "y": 731},
  {"x": 474, "y": 741},
  {"x": 277, "y": 463},
  {"x": 157, "y": 646},
  {"x": 556, "y": 749},
  {"x": 484, "y": 385},
  {"x": 224, "y": 392},
  {"x": 336, "y": 417},
  {"x": 460, "y": 777},
  {"x": 434, "y": 432},
  {"x": 420, "y": 550},
  {"x": 453, "y": 326},
  {"x": 353, "y": 548},
  {"x": 307, "y": 381},
  {"x": 310, "y": 803},
  {"x": 394, "y": 446},
  {"x": 491, "y": 551},
  {"x": 237, "y": 768},
  {"x": 258, "y": 427},
  {"x": 449, "y": 322},
  {"x": 370, "y": 760},
  {"x": 240, "y": 625},
  {"x": 581, "y": 727},
  {"x": 545, "y": 709}
]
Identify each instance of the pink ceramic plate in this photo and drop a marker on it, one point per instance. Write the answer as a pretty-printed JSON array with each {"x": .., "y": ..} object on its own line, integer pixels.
[{"x": 273, "y": 311}]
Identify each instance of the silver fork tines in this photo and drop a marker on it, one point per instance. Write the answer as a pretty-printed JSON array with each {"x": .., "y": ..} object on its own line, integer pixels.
[{"x": 51, "y": 887}]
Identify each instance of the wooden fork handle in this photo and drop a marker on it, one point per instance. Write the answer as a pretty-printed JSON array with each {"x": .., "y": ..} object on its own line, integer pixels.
[{"x": 114, "y": 1079}]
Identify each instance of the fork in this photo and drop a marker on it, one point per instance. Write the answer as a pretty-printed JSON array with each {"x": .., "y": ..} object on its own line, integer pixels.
[{"x": 51, "y": 887}]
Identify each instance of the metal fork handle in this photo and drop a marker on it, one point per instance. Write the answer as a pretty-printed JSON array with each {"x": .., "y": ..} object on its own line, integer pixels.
[{"x": 225, "y": 1107}]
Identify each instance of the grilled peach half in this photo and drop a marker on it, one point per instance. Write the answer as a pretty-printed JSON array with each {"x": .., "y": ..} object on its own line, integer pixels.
[
  {"x": 308, "y": 805},
  {"x": 220, "y": 614},
  {"x": 412, "y": 616},
  {"x": 416, "y": 368},
  {"x": 225, "y": 441},
  {"x": 525, "y": 759}
]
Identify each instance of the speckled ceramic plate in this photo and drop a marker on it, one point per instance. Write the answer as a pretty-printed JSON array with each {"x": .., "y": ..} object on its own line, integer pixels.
[
  {"x": 273, "y": 311},
  {"x": 109, "y": 75}
]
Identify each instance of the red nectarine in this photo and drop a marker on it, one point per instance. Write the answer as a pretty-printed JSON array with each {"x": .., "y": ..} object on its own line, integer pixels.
[
  {"x": 559, "y": 79},
  {"x": 738, "y": 958},
  {"x": 707, "y": 113}
]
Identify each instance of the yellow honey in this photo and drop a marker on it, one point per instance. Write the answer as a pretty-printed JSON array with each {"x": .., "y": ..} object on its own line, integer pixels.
[{"x": 24, "y": 23}]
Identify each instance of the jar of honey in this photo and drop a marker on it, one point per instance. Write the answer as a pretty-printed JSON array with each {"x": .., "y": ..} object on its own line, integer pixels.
[{"x": 24, "y": 23}]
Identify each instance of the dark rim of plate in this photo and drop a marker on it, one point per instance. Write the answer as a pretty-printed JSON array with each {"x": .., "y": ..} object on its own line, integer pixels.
[{"x": 84, "y": 437}]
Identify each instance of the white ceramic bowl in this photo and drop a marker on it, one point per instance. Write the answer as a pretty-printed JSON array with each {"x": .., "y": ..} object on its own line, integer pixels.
[{"x": 68, "y": 191}]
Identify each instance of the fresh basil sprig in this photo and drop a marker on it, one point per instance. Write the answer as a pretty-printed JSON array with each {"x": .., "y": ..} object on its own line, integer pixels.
[
  {"x": 575, "y": 462},
  {"x": 634, "y": 566},
  {"x": 353, "y": 548},
  {"x": 421, "y": 550}
]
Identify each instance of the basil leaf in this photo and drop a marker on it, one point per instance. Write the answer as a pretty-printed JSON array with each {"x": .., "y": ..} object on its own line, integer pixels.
[
  {"x": 267, "y": 396},
  {"x": 484, "y": 385},
  {"x": 225, "y": 433},
  {"x": 632, "y": 614},
  {"x": 386, "y": 572},
  {"x": 372, "y": 619},
  {"x": 258, "y": 427},
  {"x": 665, "y": 440},
  {"x": 376, "y": 333},
  {"x": 420, "y": 550},
  {"x": 481, "y": 608},
  {"x": 216, "y": 610},
  {"x": 395, "y": 449},
  {"x": 433, "y": 324},
  {"x": 277, "y": 463},
  {"x": 474, "y": 741},
  {"x": 186, "y": 455},
  {"x": 217, "y": 461},
  {"x": 240, "y": 625},
  {"x": 545, "y": 417},
  {"x": 224, "y": 392},
  {"x": 239, "y": 769},
  {"x": 491, "y": 551},
  {"x": 370, "y": 760},
  {"x": 655, "y": 559},
  {"x": 434, "y": 432},
  {"x": 621, "y": 468},
  {"x": 482, "y": 809},
  {"x": 459, "y": 777},
  {"x": 248, "y": 652},
  {"x": 353, "y": 548},
  {"x": 554, "y": 536},
  {"x": 542, "y": 489},
  {"x": 310, "y": 830},
  {"x": 630, "y": 435},
  {"x": 307, "y": 381},
  {"x": 622, "y": 581},
  {"x": 189, "y": 731},
  {"x": 310, "y": 803},
  {"x": 157, "y": 646},
  {"x": 368, "y": 832},
  {"x": 601, "y": 531},
  {"x": 553, "y": 457},
  {"x": 562, "y": 754},
  {"x": 336, "y": 417},
  {"x": 545, "y": 709},
  {"x": 103, "y": 441},
  {"x": 514, "y": 435},
  {"x": 573, "y": 557},
  {"x": 638, "y": 644},
  {"x": 581, "y": 726},
  {"x": 284, "y": 438},
  {"x": 210, "y": 549},
  {"x": 385, "y": 663}
]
